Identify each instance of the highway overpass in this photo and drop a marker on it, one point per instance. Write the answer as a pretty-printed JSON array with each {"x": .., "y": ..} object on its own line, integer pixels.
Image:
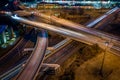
[
  {"x": 85, "y": 37},
  {"x": 81, "y": 36}
]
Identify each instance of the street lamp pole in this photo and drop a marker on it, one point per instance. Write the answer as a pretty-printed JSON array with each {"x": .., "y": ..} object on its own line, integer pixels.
[{"x": 103, "y": 60}]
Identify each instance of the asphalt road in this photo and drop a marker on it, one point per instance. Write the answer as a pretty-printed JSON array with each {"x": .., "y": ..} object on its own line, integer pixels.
[{"x": 33, "y": 64}]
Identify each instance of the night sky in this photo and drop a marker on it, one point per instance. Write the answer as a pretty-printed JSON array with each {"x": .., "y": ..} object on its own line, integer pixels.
[{"x": 3, "y": 2}]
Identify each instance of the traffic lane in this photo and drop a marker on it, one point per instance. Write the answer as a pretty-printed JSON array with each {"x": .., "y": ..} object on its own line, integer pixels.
[
  {"x": 105, "y": 22},
  {"x": 49, "y": 27},
  {"x": 16, "y": 50},
  {"x": 69, "y": 33},
  {"x": 60, "y": 55},
  {"x": 33, "y": 64},
  {"x": 114, "y": 10},
  {"x": 78, "y": 27},
  {"x": 75, "y": 26}
]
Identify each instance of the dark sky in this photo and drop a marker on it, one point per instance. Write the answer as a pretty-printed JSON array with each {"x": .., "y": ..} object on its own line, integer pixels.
[{"x": 3, "y": 2}]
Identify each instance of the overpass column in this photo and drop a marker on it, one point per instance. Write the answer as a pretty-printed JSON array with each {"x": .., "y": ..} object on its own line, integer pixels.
[
  {"x": 4, "y": 37},
  {"x": 0, "y": 39},
  {"x": 12, "y": 32}
]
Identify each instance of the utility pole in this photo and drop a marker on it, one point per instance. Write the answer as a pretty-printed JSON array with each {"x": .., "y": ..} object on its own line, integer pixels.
[{"x": 103, "y": 60}]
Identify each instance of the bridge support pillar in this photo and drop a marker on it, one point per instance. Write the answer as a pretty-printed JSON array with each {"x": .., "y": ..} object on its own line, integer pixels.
[
  {"x": 4, "y": 37},
  {"x": 12, "y": 32}
]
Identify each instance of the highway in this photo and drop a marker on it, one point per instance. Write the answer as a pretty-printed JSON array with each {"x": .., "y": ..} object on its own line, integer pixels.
[
  {"x": 32, "y": 66},
  {"x": 107, "y": 14},
  {"x": 66, "y": 50},
  {"x": 78, "y": 27},
  {"x": 114, "y": 48},
  {"x": 13, "y": 55},
  {"x": 13, "y": 52},
  {"x": 106, "y": 21},
  {"x": 15, "y": 70},
  {"x": 16, "y": 50},
  {"x": 69, "y": 33},
  {"x": 61, "y": 43},
  {"x": 81, "y": 28},
  {"x": 79, "y": 36},
  {"x": 12, "y": 72},
  {"x": 63, "y": 54},
  {"x": 77, "y": 32},
  {"x": 59, "y": 57}
]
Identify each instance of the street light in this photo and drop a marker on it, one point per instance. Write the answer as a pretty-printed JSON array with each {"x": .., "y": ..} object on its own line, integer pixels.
[{"x": 103, "y": 60}]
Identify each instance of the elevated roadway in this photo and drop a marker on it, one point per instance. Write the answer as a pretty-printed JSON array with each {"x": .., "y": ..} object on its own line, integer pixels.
[
  {"x": 63, "y": 55},
  {"x": 15, "y": 70},
  {"x": 81, "y": 28},
  {"x": 34, "y": 62},
  {"x": 110, "y": 13},
  {"x": 78, "y": 27},
  {"x": 65, "y": 49},
  {"x": 79, "y": 36}
]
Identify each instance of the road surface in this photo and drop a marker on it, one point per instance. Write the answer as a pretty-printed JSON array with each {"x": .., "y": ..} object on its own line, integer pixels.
[
  {"x": 33, "y": 64},
  {"x": 79, "y": 36},
  {"x": 78, "y": 27}
]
